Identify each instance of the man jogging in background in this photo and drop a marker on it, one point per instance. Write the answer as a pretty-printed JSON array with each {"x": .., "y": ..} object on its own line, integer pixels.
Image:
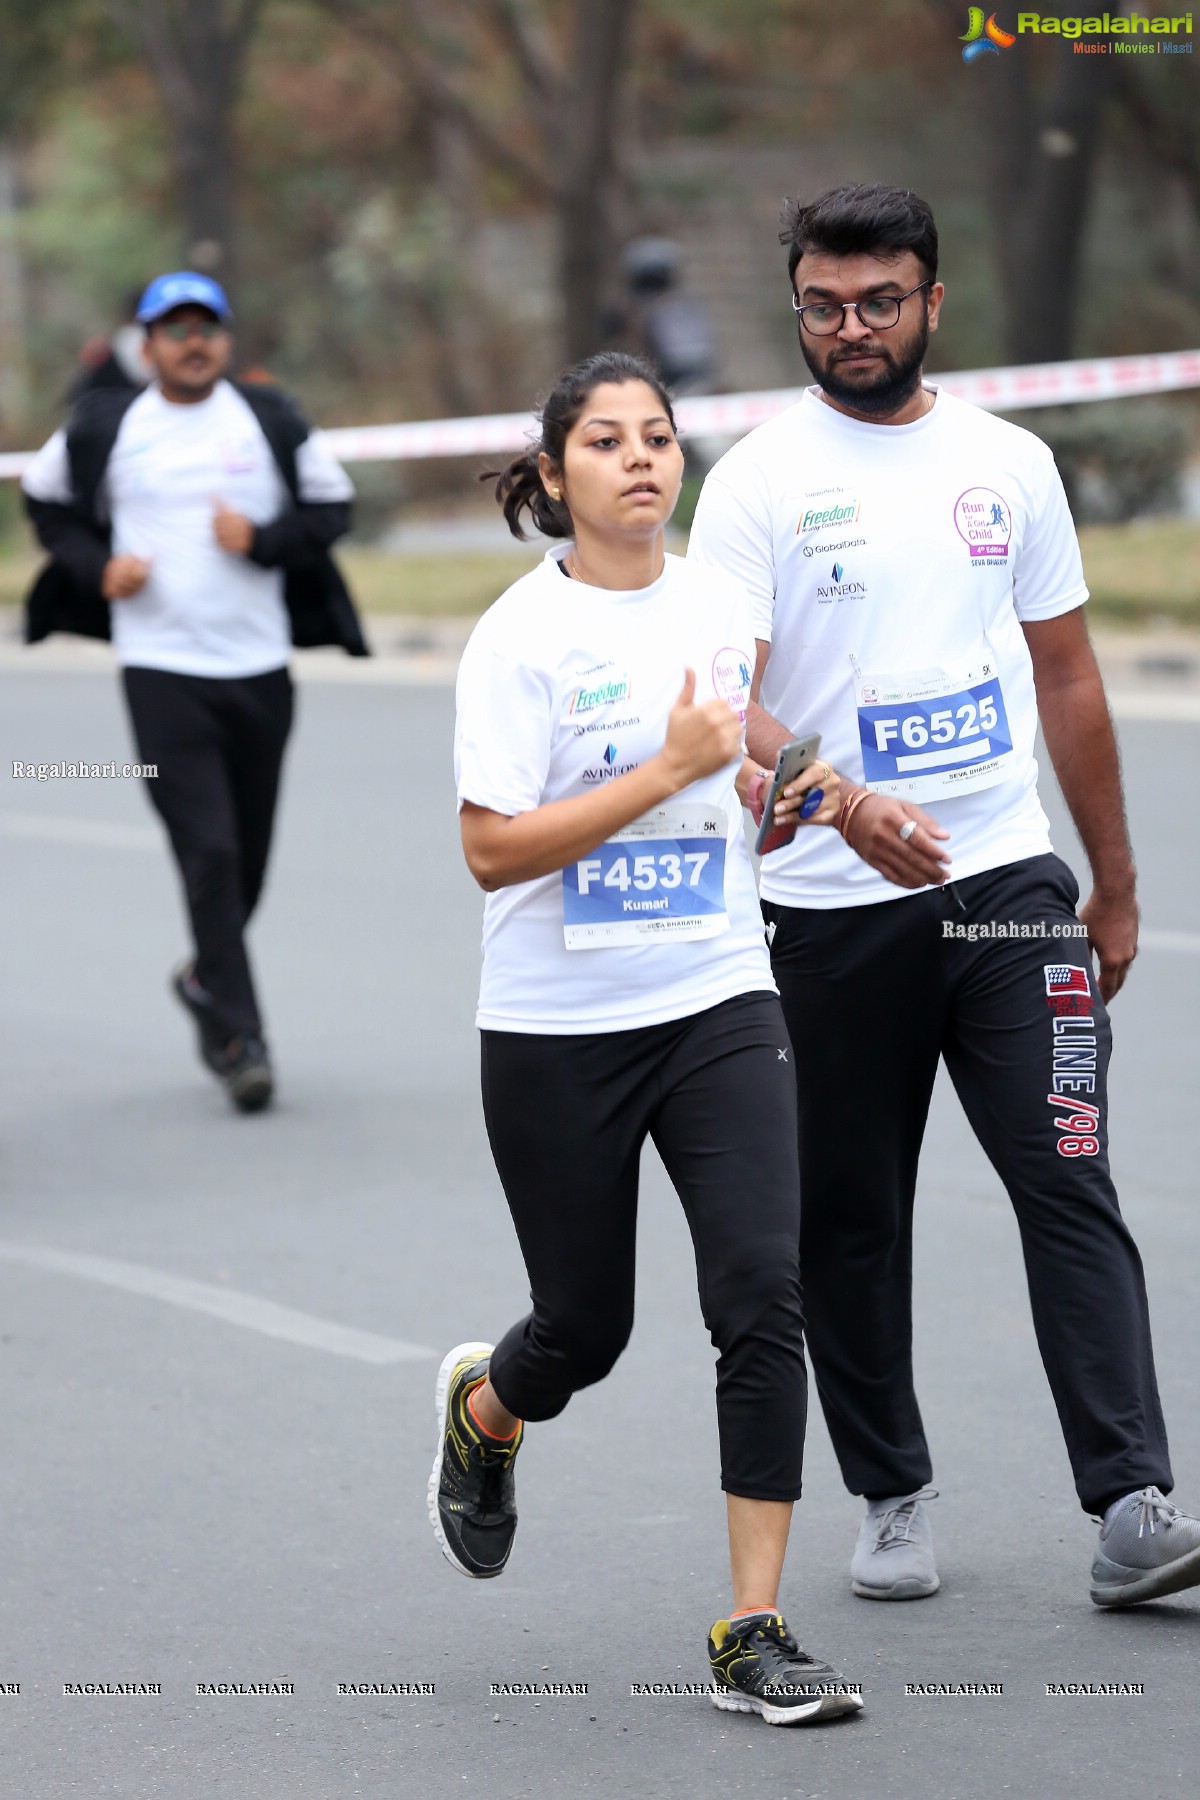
[
  {"x": 919, "y": 591},
  {"x": 198, "y": 514}
]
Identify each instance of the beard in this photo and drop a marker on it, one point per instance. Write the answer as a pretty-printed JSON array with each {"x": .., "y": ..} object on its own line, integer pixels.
[{"x": 894, "y": 382}]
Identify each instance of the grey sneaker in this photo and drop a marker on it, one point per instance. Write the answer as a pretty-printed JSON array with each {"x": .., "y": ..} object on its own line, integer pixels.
[
  {"x": 893, "y": 1558},
  {"x": 1147, "y": 1549}
]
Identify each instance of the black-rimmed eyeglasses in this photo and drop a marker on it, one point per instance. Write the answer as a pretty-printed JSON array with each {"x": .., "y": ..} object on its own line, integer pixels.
[{"x": 822, "y": 318}]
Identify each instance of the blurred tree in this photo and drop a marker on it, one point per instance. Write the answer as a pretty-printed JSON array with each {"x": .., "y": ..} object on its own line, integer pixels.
[
  {"x": 429, "y": 189},
  {"x": 588, "y": 110},
  {"x": 1044, "y": 118},
  {"x": 543, "y": 112},
  {"x": 1164, "y": 115},
  {"x": 196, "y": 50},
  {"x": 31, "y": 53},
  {"x": 1044, "y": 154}
]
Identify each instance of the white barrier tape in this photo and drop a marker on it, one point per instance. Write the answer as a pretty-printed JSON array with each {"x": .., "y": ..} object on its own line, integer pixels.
[{"x": 732, "y": 415}]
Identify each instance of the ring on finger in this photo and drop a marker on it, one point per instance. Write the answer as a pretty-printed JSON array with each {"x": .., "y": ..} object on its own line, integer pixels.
[{"x": 907, "y": 830}]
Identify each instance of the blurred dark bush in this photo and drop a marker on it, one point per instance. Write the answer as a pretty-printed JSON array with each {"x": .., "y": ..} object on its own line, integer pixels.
[{"x": 1118, "y": 459}]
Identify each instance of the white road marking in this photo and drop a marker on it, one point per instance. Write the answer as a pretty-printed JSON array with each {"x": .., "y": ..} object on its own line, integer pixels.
[
  {"x": 1188, "y": 942},
  {"x": 229, "y": 1304},
  {"x": 82, "y": 831}
]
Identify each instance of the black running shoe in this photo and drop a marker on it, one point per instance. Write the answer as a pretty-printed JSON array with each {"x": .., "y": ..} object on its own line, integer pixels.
[
  {"x": 211, "y": 1040},
  {"x": 759, "y": 1667},
  {"x": 245, "y": 1068},
  {"x": 472, "y": 1502}
]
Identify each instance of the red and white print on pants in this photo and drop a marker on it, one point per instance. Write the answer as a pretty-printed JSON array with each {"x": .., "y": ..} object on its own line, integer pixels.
[{"x": 1073, "y": 1068}]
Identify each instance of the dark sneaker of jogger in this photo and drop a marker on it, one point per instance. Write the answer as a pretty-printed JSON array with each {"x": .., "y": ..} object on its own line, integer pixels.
[
  {"x": 1147, "y": 1549},
  {"x": 241, "y": 1064},
  {"x": 197, "y": 1002},
  {"x": 472, "y": 1498},
  {"x": 246, "y": 1072},
  {"x": 757, "y": 1666}
]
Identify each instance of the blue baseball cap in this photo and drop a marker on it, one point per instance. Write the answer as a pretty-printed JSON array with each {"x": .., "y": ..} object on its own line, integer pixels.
[{"x": 183, "y": 288}]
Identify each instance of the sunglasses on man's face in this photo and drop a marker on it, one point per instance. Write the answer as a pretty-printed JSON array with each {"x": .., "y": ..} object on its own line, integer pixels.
[{"x": 180, "y": 330}]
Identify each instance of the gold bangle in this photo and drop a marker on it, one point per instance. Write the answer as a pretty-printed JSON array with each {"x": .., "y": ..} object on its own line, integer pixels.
[
  {"x": 856, "y": 802},
  {"x": 851, "y": 793}
]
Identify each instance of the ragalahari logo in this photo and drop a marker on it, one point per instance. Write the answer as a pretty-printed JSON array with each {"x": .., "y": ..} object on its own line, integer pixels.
[{"x": 984, "y": 37}]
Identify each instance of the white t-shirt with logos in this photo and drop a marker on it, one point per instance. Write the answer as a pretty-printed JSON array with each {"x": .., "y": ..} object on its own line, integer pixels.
[
  {"x": 563, "y": 687},
  {"x": 203, "y": 610},
  {"x": 891, "y": 567}
]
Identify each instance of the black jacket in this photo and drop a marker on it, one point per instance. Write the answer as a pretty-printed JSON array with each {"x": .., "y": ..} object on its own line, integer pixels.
[{"x": 66, "y": 595}]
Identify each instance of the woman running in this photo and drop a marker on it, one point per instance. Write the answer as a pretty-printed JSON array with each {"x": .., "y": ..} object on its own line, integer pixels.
[{"x": 627, "y": 994}]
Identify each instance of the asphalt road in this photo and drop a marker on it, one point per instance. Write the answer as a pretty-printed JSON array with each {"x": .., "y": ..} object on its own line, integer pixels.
[{"x": 218, "y": 1338}]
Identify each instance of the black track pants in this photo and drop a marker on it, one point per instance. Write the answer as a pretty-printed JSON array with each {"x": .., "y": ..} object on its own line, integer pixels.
[
  {"x": 879, "y": 993},
  {"x": 567, "y": 1118},
  {"x": 219, "y": 750}
]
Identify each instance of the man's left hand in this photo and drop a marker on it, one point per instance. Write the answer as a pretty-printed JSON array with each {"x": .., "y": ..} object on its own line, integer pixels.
[
  {"x": 232, "y": 530},
  {"x": 1112, "y": 928}
]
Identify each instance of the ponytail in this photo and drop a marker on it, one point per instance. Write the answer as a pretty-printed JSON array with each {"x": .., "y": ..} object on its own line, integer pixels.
[{"x": 519, "y": 489}]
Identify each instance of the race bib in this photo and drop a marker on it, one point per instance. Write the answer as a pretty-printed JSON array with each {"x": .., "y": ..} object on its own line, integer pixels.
[
  {"x": 926, "y": 733},
  {"x": 661, "y": 877}
]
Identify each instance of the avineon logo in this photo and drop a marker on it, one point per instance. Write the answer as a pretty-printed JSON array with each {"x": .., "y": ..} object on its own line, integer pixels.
[
  {"x": 840, "y": 589},
  {"x": 608, "y": 769}
]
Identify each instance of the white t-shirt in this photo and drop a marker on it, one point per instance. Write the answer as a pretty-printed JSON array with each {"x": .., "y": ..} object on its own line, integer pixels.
[
  {"x": 891, "y": 567},
  {"x": 203, "y": 611},
  {"x": 563, "y": 686}
]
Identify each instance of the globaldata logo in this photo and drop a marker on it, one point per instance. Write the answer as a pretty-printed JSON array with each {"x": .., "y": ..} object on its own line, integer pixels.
[{"x": 984, "y": 37}]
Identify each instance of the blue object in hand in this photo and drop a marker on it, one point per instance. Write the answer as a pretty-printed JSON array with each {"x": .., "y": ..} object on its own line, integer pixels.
[{"x": 815, "y": 797}]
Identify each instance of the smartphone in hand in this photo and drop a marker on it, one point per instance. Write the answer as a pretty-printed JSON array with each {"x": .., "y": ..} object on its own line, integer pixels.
[{"x": 791, "y": 760}]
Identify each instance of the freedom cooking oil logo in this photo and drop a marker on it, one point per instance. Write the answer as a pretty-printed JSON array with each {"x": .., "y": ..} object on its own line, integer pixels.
[
  {"x": 820, "y": 512},
  {"x": 602, "y": 693}
]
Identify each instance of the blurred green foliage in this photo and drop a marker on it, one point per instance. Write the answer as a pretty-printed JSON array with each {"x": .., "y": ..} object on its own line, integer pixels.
[
  {"x": 1119, "y": 459},
  {"x": 390, "y": 269}
]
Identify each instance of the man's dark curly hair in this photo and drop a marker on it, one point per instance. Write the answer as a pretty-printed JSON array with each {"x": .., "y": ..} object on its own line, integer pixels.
[{"x": 861, "y": 221}]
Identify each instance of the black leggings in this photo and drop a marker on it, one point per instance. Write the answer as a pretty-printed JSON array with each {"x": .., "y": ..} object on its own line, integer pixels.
[
  {"x": 567, "y": 1118},
  {"x": 219, "y": 749}
]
